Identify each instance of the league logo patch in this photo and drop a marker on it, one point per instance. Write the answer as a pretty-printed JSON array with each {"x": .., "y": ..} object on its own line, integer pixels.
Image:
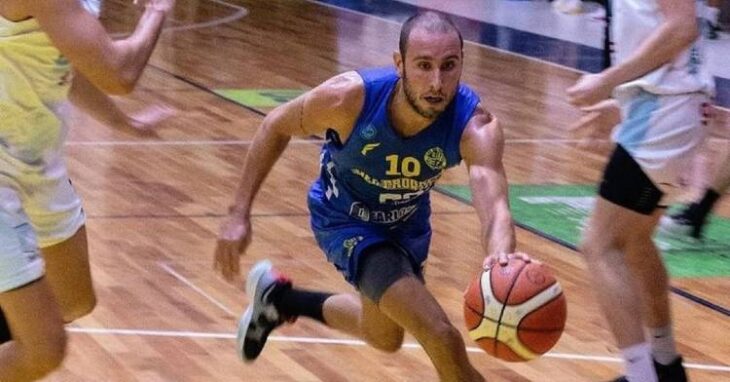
[
  {"x": 351, "y": 243},
  {"x": 369, "y": 132},
  {"x": 435, "y": 158}
]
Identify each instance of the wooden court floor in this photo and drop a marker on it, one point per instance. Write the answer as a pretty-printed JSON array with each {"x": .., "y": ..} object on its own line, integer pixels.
[{"x": 154, "y": 204}]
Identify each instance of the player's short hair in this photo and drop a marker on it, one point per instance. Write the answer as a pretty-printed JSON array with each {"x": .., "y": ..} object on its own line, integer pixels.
[{"x": 432, "y": 22}]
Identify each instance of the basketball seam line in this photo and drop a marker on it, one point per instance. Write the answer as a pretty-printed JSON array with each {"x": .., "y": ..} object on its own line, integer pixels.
[
  {"x": 536, "y": 293},
  {"x": 504, "y": 306},
  {"x": 516, "y": 327}
]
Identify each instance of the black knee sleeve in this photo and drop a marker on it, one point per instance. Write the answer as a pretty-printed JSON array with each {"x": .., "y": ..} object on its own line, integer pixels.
[{"x": 381, "y": 266}]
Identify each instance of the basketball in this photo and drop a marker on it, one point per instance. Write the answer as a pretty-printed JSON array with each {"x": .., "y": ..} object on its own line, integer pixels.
[{"x": 515, "y": 312}]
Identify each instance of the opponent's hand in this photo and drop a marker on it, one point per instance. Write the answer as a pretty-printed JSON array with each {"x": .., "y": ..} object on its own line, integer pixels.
[
  {"x": 596, "y": 125},
  {"x": 590, "y": 90},
  {"x": 233, "y": 239},
  {"x": 503, "y": 259},
  {"x": 150, "y": 118}
]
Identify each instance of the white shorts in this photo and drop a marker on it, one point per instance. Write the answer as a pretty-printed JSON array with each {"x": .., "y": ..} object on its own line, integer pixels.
[
  {"x": 20, "y": 260},
  {"x": 43, "y": 193},
  {"x": 662, "y": 133}
]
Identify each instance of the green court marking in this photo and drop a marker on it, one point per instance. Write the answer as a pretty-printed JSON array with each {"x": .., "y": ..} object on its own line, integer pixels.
[
  {"x": 559, "y": 211},
  {"x": 260, "y": 97}
]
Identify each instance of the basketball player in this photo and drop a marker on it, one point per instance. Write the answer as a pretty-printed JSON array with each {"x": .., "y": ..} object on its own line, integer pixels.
[
  {"x": 660, "y": 84},
  {"x": 391, "y": 133},
  {"x": 39, "y": 39}
]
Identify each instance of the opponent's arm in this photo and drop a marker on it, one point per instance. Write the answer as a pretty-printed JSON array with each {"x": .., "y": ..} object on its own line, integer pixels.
[
  {"x": 101, "y": 107},
  {"x": 112, "y": 66},
  {"x": 676, "y": 33}
]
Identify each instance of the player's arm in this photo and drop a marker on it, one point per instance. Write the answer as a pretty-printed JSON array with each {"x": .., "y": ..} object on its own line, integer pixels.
[
  {"x": 675, "y": 34},
  {"x": 481, "y": 147},
  {"x": 335, "y": 104},
  {"x": 678, "y": 31},
  {"x": 113, "y": 66},
  {"x": 100, "y": 106}
]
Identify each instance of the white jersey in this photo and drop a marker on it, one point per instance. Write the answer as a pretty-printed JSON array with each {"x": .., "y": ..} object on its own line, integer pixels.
[
  {"x": 34, "y": 84},
  {"x": 633, "y": 22}
]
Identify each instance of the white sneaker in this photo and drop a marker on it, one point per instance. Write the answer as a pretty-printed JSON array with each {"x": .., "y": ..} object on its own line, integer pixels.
[{"x": 261, "y": 316}]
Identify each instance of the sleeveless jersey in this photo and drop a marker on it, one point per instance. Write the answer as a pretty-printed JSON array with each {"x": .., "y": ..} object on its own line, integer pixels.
[
  {"x": 378, "y": 176},
  {"x": 633, "y": 21},
  {"x": 34, "y": 83}
]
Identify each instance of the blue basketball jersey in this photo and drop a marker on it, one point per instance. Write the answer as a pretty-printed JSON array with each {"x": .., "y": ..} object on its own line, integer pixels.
[{"x": 378, "y": 176}]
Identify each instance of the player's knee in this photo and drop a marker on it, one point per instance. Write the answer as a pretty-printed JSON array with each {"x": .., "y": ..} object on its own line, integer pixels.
[
  {"x": 390, "y": 343},
  {"x": 79, "y": 308},
  {"x": 593, "y": 247},
  {"x": 446, "y": 334}
]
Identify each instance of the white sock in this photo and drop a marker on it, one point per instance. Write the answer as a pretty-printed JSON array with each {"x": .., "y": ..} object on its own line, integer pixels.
[
  {"x": 712, "y": 14},
  {"x": 639, "y": 364},
  {"x": 662, "y": 345}
]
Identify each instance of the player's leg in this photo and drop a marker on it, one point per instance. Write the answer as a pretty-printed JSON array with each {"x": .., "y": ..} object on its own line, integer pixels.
[
  {"x": 360, "y": 317},
  {"x": 647, "y": 266},
  {"x": 619, "y": 294},
  {"x": 274, "y": 300},
  {"x": 625, "y": 210},
  {"x": 691, "y": 219},
  {"x": 69, "y": 275},
  {"x": 54, "y": 209},
  {"x": 38, "y": 337},
  {"x": 390, "y": 282}
]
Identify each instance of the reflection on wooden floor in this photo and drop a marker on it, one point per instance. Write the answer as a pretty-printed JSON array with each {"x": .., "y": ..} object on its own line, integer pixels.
[{"x": 154, "y": 205}]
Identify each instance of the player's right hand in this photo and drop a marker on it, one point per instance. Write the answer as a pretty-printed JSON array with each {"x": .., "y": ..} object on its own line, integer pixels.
[
  {"x": 504, "y": 258},
  {"x": 233, "y": 239}
]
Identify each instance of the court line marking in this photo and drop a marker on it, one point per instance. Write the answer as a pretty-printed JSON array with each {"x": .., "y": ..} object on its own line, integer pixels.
[
  {"x": 557, "y": 141},
  {"x": 535, "y": 59},
  {"x": 180, "y": 143},
  {"x": 200, "y": 291},
  {"x": 240, "y": 13},
  {"x": 350, "y": 342},
  {"x": 293, "y": 141}
]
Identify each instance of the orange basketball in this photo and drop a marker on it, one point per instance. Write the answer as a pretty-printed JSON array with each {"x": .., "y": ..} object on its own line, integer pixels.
[{"x": 515, "y": 312}]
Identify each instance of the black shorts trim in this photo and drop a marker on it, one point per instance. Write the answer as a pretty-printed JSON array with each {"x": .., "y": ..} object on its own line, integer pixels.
[{"x": 627, "y": 185}]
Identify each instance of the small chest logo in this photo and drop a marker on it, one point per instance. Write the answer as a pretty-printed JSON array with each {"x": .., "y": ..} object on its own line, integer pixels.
[
  {"x": 435, "y": 158},
  {"x": 369, "y": 132}
]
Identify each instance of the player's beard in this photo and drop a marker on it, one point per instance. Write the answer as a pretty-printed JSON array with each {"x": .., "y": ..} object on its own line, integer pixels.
[{"x": 412, "y": 100}]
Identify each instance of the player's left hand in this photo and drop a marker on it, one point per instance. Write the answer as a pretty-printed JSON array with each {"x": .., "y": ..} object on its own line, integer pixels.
[
  {"x": 503, "y": 259},
  {"x": 590, "y": 90}
]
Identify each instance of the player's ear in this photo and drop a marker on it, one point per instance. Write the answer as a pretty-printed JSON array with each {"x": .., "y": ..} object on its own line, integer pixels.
[{"x": 398, "y": 61}]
